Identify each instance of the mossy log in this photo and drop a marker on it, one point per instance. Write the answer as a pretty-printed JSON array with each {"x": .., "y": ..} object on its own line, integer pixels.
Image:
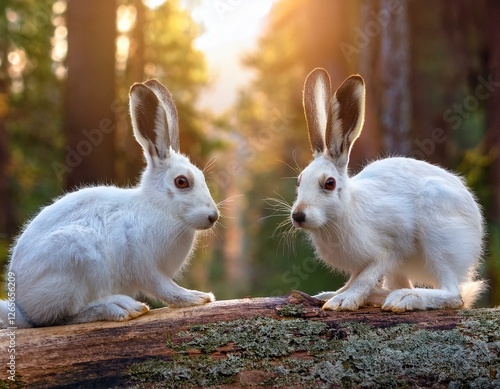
[{"x": 276, "y": 342}]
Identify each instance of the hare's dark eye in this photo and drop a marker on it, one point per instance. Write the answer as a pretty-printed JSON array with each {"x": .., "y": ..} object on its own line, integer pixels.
[
  {"x": 181, "y": 182},
  {"x": 330, "y": 183}
]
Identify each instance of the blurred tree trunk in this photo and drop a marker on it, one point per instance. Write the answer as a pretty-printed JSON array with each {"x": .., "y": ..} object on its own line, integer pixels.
[
  {"x": 371, "y": 142},
  {"x": 431, "y": 93},
  {"x": 493, "y": 142},
  {"x": 135, "y": 73},
  {"x": 395, "y": 77},
  {"x": 89, "y": 115},
  {"x": 385, "y": 61}
]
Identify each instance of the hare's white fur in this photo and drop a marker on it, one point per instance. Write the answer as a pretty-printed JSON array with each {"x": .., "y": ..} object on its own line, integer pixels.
[
  {"x": 400, "y": 222},
  {"x": 86, "y": 256}
]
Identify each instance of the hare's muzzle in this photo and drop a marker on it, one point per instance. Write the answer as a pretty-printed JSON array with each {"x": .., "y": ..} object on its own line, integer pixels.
[
  {"x": 209, "y": 221},
  {"x": 213, "y": 218},
  {"x": 298, "y": 218}
]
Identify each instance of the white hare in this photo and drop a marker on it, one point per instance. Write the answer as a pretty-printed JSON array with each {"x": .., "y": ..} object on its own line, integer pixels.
[
  {"x": 86, "y": 256},
  {"x": 400, "y": 222}
]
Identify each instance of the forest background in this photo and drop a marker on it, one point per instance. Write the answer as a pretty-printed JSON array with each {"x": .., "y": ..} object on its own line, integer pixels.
[{"x": 432, "y": 70}]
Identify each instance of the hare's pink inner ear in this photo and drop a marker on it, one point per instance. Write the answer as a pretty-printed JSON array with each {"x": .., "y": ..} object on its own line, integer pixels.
[
  {"x": 163, "y": 94},
  {"x": 347, "y": 118},
  {"x": 149, "y": 121},
  {"x": 316, "y": 100}
]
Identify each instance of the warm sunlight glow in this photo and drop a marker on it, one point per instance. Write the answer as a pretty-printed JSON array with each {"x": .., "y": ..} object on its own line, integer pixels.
[
  {"x": 59, "y": 7},
  {"x": 125, "y": 18},
  {"x": 153, "y": 4},
  {"x": 125, "y": 21},
  {"x": 17, "y": 59},
  {"x": 122, "y": 50},
  {"x": 12, "y": 16},
  {"x": 59, "y": 50},
  {"x": 231, "y": 28},
  {"x": 60, "y": 32},
  {"x": 230, "y": 21},
  {"x": 59, "y": 39}
]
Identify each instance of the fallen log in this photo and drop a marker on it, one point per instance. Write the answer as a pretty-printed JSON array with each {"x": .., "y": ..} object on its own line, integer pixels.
[{"x": 275, "y": 341}]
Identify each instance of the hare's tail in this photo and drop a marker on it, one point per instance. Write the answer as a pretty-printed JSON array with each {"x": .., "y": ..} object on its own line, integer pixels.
[
  {"x": 12, "y": 318},
  {"x": 471, "y": 290}
]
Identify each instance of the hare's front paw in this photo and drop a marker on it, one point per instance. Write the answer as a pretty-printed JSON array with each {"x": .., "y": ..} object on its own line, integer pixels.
[
  {"x": 324, "y": 296},
  {"x": 191, "y": 298},
  {"x": 343, "y": 302}
]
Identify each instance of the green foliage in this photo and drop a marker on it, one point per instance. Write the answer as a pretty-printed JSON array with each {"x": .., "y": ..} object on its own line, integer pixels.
[
  {"x": 493, "y": 264},
  {"x": 33, "y": 110},
  {"x": 169, "y": 34},
  {"x": 34, "y": 119}
]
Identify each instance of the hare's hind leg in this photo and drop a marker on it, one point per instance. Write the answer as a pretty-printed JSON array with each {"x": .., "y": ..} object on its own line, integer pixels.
[
  {"x": 445, "y": 295},
  {"x": 117, "y": 307},
  {"x": 402, "y": 300},
  {"x": 450, "y": 246}
]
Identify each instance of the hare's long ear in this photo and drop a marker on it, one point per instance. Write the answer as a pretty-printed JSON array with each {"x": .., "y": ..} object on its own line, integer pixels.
[
  {"x": 150, "y": 123},
  {"x": 163, "y": 94},
  {"x": 347, "y": 118},
  {"x": 316, "y": 100}
]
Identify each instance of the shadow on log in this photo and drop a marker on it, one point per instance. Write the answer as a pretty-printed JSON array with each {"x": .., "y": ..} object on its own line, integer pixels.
[{"x": 275, "y": 341}]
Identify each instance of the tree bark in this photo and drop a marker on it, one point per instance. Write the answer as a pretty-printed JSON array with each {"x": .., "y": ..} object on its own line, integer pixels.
[
  {"x": 90, "y": 93},
  {"x": 280, "y": 341}
]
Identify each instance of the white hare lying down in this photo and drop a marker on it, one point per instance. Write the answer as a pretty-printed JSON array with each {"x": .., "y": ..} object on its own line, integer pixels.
[
  {"x": 87, "y": 255},
  {"x": 397, "y": 223}
]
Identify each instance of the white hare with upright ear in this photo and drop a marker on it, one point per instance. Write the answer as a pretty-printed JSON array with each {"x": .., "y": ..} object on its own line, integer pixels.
[
  {"x": 400, "y": 222},
  {"x": 89, "y": 254}
]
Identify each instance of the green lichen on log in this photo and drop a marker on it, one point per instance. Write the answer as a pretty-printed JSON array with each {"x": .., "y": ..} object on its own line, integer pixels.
[
  {"x": 265, "y": 351},
  {"x": 256, "y": 338},
  {"x": 290, "y": 310}
]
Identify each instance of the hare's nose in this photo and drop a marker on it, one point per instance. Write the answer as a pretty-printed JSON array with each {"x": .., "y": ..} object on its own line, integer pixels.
[
  {"x": 299, "y": 216},
  {"x": 213, "y": 217}
]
